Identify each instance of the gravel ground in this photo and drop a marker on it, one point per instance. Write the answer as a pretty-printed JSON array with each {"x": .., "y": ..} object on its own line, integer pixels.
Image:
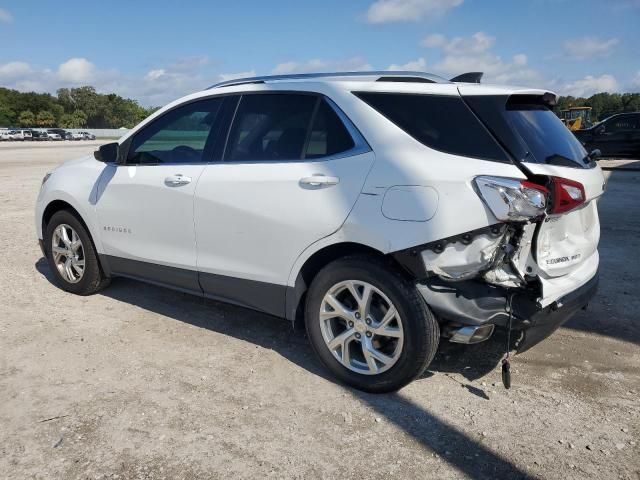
[{"x": 142, "y": 382}]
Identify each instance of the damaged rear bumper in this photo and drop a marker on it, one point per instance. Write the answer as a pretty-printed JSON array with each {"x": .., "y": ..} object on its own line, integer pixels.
[
  {"x": 547, "y": 320},
  {"x": 473, "y": 303}
]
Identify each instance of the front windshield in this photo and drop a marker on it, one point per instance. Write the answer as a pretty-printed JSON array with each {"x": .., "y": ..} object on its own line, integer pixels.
[{"x": 547, "y": 139}]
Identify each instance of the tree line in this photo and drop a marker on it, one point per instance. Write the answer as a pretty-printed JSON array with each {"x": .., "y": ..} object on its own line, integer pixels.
[
  {"x": 80, "y": 107},
  {"x": 83, "y": 107}
]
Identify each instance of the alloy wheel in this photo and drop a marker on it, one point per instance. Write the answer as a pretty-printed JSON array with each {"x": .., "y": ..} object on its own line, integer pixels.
[
  {"x": 68, "y": 253},
  {"x": 361, "y": 327}
]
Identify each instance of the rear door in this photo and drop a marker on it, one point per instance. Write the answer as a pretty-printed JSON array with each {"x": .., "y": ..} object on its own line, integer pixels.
[{"x": 292, "y": 169}]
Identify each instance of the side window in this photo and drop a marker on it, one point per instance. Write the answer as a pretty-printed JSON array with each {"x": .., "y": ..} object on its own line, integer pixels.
[
  {"x": 328, "y": 134},
  {"x": 443, "y": 123},
  {"x": 623, "y": 124},
  {"x": 179, "y": 136},
  {"x": 270, "y": 126}
]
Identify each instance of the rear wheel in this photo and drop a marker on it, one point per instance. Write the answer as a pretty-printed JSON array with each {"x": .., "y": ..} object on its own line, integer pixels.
[
  {"x": 71, "y": 255},
  {"x": 368, "y": 324}
]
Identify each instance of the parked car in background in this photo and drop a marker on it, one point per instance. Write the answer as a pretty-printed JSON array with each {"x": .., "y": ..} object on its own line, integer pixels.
[
  {"x": 63, "y": 134},
  {"x": 53, "y": 135},
  {"x": 616, "y": 136},
  {"x": 4, "y": 135},
  {"x": 39, "y": 135},
  {"x": 77, "y": 136},
  {"x": 20, "y": 134},
  {"x": 88, "y": 135}
]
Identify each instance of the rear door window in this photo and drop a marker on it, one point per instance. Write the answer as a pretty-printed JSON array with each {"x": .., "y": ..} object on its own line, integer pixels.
[
  {"x": 443, "y": 123},
  {"x": 270, "y": 127},
  {"x": 328, "y": 134}
]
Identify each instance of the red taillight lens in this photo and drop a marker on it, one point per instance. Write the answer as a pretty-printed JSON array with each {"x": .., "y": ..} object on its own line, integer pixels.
[{"x": 567, "y": 195}]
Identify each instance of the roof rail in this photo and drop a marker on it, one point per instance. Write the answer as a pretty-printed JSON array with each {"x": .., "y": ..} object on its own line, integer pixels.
[{"x": 379, "y": 76}]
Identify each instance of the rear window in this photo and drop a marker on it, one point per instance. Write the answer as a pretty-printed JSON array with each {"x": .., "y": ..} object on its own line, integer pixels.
[
  {"x": 529, "y": 130},
  {"x": 546, "y": 137},
  {"x": 443, "y": 123}
]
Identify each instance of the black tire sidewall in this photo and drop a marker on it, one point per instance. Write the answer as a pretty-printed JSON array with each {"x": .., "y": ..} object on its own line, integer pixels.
[
  {"x": 419, "y": 325},
  {"x": 92, "y": 276}
]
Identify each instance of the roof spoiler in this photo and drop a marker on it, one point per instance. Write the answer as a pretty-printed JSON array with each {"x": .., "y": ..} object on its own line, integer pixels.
[{"x": 469, "y": 77}]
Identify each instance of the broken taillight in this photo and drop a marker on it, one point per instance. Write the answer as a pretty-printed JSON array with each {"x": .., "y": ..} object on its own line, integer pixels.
[
  {"x": 566, "y": 195},
  {"x": 512, "y": 199}
]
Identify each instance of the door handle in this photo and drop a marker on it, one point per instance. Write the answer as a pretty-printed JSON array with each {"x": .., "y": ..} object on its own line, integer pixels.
[
  {"x": 319, "y": 180},
  {"x": 177, "y": 180}
]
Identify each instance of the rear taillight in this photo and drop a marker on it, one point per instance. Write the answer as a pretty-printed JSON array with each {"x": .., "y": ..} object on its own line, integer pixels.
[
  {"x": 512, "y": 199},
  {"x": 566, "y": 195}
]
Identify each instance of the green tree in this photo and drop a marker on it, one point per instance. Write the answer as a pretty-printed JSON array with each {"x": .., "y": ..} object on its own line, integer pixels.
[
  {"x": 7, "y": 115},
  {"x": 45, "y": 119},
  {"x": 77, "y": 119},
  {"x": 26, "y": 118}
]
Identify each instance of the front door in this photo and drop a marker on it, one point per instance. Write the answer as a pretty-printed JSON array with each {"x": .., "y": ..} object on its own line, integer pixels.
[
  {"x": 145, "y": 207},
  {"x": 292, "y": 170}
]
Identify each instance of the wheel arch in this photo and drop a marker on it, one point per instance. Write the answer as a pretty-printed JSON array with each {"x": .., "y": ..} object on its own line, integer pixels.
[
  {"x": 296, "y": 293},
  {"x": 57, "y": 205}
]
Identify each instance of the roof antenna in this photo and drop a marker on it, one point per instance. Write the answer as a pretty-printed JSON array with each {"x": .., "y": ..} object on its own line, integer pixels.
[{"x": 469, "y": 77}]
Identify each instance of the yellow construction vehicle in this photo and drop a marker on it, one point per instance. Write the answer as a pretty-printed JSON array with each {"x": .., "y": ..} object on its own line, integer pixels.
[{"x": 576, "y": 118}]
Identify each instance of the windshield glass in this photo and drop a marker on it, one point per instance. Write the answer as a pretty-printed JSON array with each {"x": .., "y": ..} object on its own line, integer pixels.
[{"x": 546, "y": 137}]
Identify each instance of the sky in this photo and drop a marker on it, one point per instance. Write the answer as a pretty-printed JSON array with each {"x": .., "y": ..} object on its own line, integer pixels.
[{"x": 156, "y": 51}]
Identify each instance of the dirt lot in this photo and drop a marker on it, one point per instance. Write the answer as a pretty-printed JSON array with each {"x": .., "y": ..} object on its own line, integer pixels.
[{"x": 142, "y": 382}]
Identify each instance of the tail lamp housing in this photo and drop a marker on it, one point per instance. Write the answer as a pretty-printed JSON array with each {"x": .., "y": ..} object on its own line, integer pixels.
[
  {"x": 513, "y": 199},
  {"x": 566, "y": 195}
]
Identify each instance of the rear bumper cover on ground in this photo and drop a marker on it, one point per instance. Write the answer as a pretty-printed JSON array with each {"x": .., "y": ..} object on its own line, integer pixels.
[{"x": 477, "y": 303}]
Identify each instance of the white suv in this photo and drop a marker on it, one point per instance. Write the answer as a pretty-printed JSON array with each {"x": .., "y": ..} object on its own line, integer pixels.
[{"x": 387, "y": 210}]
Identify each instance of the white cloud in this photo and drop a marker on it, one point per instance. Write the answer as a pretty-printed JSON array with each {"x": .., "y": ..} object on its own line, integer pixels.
[
  {"x": 473, "y": 54},
  {"x": 157, "y": 87},
  {"x": 387, "y": 11},
  {"x": 5, "y": 16},
  {"x": 14, "y": 70},
  {"x": 77, "y": 70},
  {"x": 635, "y": 82},
  {"x": 223, "y": 77},
  {"x": 477, "y": 43},
  {"x": 589, "y": 85},
  {"x": 585, "y": 48},
  {"x": 418, "y": 65},
  {"x": 353, "y": 64}
]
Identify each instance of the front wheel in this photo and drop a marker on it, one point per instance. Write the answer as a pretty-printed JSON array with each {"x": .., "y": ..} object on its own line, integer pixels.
[
  {"x": 72, "y": 256},
  {"x": 369, "y": 325}
]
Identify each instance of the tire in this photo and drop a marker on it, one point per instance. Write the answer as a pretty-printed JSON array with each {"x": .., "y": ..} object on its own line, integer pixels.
[
  {"x": 92, "y": 279},
  {"x": 418, "y": 328}
]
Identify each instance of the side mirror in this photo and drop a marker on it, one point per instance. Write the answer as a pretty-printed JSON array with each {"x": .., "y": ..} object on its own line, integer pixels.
[
  {"x": 595, "y": 154},
  {"x": 107, "y": 153},
  {"x": 600, "y": 130}
]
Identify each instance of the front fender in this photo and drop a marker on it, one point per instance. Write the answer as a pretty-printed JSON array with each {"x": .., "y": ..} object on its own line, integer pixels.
[{"x": 75, "y": 183}]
